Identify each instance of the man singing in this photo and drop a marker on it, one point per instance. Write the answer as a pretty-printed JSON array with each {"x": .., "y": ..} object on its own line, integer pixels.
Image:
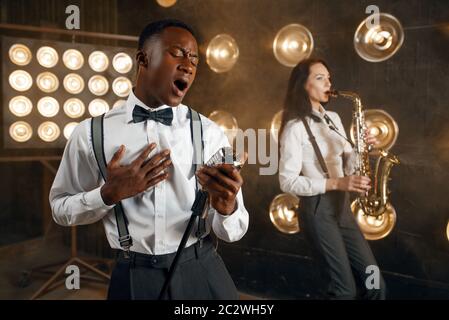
[{"x": 150, "y": 176}]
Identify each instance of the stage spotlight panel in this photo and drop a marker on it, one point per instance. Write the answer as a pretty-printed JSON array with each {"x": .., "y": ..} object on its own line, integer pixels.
[{"x": 54, "y": 86}]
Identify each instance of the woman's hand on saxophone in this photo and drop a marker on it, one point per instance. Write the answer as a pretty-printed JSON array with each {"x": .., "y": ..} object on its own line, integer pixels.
[
  {"x": 360, "y": 184},
  {"x": 370, "y": 139}
]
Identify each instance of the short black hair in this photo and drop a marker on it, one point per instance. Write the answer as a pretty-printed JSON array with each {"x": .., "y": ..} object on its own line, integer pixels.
[{"x": 156, "y": 27}]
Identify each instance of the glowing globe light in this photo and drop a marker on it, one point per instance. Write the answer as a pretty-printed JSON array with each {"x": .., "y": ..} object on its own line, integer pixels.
[
  {"x": 20, "y": 80},
  {"x": 68, "y": 129},
  {"x": 122, "y": 86},
  {"x": 222, "y": 53},
  {"x": 74, "y": 108},
  {"x": 48, "y": 107},
  {"x": 19, "y": 54},
  {"x": 73, "y": 59},
  {"x": 226, "y": 122},
  {"x": 47, "y": 82},
  {"x": 20, "y": 106},
  {"x": 47, "y": 57},
  {"x": 98, "y": 61},
  {"x": 48, "y": 131},
  {"x": 292, "y": 44},
  {"x": 20, "y": 131},
  {"x": 276, "y": 125},
  {"x": 283, "y": 213},
  {"x": 73, "y": 83},
  {"x": 97, "y": 107},
  {"x": 118, "y": 103},
  {"x": 98, "y": 85},
  {"x": 122, "y": 62},
  {"x": 382, "y": 126},
  {"x": 166, "y": 3},
  {"x": 378, "y": 42}
]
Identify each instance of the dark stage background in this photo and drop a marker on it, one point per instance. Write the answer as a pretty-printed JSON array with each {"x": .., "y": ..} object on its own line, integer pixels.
[{"x": 412, "y": 86}]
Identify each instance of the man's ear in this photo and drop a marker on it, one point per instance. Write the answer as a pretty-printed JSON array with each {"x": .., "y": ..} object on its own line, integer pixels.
[{"x": 142, "y": 59}]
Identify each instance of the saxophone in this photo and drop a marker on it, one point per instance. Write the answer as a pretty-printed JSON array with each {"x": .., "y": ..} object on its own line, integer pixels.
[{"x": 374, "y": 202}]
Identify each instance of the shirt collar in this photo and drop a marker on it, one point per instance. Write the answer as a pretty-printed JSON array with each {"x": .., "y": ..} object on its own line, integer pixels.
[
  {"x": 133, "y": 100},
  {"x": 319, "y": 113}
]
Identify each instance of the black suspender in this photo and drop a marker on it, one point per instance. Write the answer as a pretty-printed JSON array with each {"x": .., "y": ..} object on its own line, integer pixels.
[
  {"x": 98, "y": 146},
  {"x": 318, "y": 153},
  {"x": 196, "y": 132}
]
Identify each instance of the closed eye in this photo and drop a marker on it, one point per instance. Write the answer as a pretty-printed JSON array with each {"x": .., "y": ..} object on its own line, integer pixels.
[{"x": 178, "y": 53}]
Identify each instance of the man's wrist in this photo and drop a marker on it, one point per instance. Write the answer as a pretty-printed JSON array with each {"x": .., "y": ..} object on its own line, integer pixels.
[
  {"x": 107, "y": 196},
  {"x": 231, "y": 211}
]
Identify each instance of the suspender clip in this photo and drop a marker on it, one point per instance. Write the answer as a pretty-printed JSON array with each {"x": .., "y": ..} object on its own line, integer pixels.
[{"x": 125, "y": 243}]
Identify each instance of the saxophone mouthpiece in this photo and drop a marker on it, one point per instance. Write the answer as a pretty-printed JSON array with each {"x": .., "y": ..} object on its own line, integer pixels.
[{"x": 332, "y": 93}]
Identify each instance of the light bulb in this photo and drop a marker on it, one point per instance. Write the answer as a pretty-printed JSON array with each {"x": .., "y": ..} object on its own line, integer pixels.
[
  {"x": 98, "y": 85},
  {"x": 20, "y": 131},
  {"x": 97, "y": 107},
  {"x": 73, "y": 83},
  {"x": 20, "y": 54},
  {"x": 98, "y": 61},
  {"x": 20, "y": 106},
  {"x": 122, "y": 62},
  {"x": 48, "y": 107},
  {"x": 74, "y": 108},
  {"x": 47, "y": 57},
  {"x": 73, "y": 59},
  {"x": 47, "y": 82},
  {"x": 20, "y": 80},
  {"x": 48, "y": 131}
]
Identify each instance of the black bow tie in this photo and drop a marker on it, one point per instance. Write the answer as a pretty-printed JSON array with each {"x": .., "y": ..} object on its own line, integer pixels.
[{"x": 164, "y": 116}]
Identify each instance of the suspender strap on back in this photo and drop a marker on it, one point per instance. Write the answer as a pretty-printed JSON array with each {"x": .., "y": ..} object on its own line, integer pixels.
[
  {"x": 98, "y": 147},
  {"x": 318, "y": 153}
]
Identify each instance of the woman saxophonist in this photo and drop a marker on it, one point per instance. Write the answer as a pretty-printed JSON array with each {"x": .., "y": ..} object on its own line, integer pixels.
[{"x": 322, "y": 175}]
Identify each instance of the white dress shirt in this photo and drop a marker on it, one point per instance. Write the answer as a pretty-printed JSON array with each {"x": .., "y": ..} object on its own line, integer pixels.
[
  {"x": 300, "y": 172},
  {"x": 157, "y": 217}
]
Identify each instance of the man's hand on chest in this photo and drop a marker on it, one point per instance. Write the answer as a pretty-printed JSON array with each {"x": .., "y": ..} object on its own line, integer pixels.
[{"x": 125, "y": 181}]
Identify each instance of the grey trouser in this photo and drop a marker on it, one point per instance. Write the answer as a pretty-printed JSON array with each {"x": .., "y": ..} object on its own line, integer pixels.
[
  {"x": 201, "y": 275},
  {"x": 339, "y": 245}
]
